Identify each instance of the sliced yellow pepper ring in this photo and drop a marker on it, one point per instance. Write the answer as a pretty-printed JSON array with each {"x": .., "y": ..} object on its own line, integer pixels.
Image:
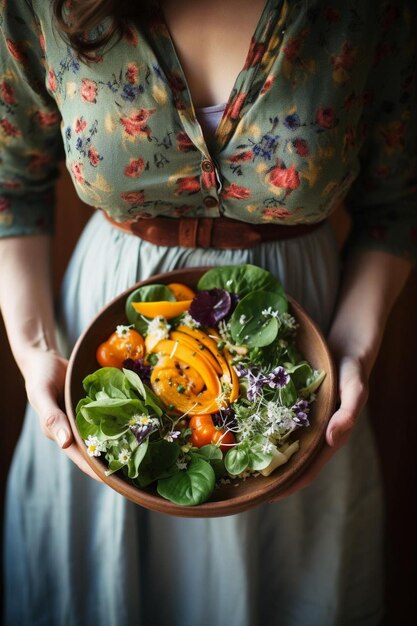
[
  {"x": 172, "y": 349},
  {"x": 164, "y": 307},
  {"x": 197, "y": 346},
  {"x": 166, "y": 383},
  {"x": 203, "y": 338},
  {"x": 181, "y": 291}
]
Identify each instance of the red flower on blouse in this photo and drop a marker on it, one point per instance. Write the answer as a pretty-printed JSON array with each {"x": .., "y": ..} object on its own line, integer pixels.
[
  {"x": 89, "y": 90},
  {"x": 240, "y": 157},
  {"x": 326, "y": 118},
  {"x": 188, "y": 184},
  {"x": 233, "y": 108},
  {"x": 4, "y": 204},
  {"x": 80, "y": 124},
  {"x": 52, "y": 82},
  {"x": 7, "y": 93},
  {"x": 284, "y": 178},
  {"x": 93, "y": 156},
  {"x": 135, "y": 168},
  {"x": 275, "y": 212},
  {"x": 136, "y": 123},
  {"x": 236, "y": 191},
  {"x": 77, "y": 170},
  {"x": 133, "y": 197},
  {"x": 132, "y": 73},
  {"x": 255, "y": 54},
  {"x": 184, "y": 143},
  {"x": 47, "y": 118},
  {"x": 16, "y": 50},
  {"x": 9, "y": 129}
]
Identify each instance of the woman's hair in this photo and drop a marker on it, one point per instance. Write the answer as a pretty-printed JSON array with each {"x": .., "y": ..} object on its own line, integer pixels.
[{"x": 77, "y": 18}]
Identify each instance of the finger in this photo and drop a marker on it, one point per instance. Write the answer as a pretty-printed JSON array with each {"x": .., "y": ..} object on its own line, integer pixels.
[
  {"x": 54, "y": 423},
  {"x": 353, "y": 395}
]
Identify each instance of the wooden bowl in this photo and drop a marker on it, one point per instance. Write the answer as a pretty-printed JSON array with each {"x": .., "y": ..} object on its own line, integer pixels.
[{"x": 239, "y": 495}]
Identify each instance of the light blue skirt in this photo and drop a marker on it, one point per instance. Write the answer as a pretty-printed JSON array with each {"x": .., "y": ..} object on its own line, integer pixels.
[{"x": 79, "y": 554}]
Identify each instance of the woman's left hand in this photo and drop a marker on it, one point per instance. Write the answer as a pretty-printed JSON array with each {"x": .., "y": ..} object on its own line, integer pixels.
[
  {"x": 353, "y": 390},
  {"x": 372, "y": 282}
]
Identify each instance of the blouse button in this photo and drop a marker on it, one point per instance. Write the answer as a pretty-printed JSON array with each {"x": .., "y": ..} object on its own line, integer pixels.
[
  {"x": 210, "y": 202},
  {"x": 207, "y": 166}
]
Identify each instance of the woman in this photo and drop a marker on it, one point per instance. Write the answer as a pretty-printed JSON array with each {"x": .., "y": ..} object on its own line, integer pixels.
[{"x": 320, "y": 113}]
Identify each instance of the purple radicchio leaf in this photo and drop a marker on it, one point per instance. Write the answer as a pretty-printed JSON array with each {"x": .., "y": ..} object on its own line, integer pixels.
[{"x": 210, "y": 307}]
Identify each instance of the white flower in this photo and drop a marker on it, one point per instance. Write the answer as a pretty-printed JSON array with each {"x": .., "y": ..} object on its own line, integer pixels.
[
  {"x": 242, "y": 319},
  {"x": 94, "y": 446},
  {"x": 269, "y": 312},
  {"x": 174, "y": 434},
  {"x": 189, "y": 321},
  {"x": 159, "y": 327},
  {"x": 267, "y": 447},
  {"x": 124, "y": 456},
  {"x": 121, "y": 330}
]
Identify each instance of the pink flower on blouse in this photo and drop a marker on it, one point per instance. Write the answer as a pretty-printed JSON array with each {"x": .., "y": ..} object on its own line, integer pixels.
[
  {"x": 132, "y": 73},
  {"x": 135, "y": 168},
  {"x": 236, "y": 191},
  {"x": 80, "y": 124},
  {"x": 52, "y": 82},
  {"x": 133, "y": 197},
  {"x": 93, "y": 156},
  {"x": 131, "y": 36},
  {"x": 284, "y": 178},
  {"x": 47, "y": 118},
  {"x": 234, "y": 107},
  {"x": 89, "y": 90},
  {"x": 301, "y": 146},
  {"x": 7, "y": 93},
  {"x": 77, "y": 170},
  {"x": 136, "y": 123},
  {"x": 188, "y": 184}
]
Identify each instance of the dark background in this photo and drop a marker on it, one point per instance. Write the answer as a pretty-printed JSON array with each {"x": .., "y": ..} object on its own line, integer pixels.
[{"x": 392, "y": 403}]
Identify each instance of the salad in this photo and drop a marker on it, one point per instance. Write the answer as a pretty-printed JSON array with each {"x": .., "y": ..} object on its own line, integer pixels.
[{"x": 198, "y": 387}]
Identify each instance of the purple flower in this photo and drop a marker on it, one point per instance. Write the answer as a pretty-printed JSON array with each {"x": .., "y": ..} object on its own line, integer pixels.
[
  {"x": 225, "y": 419},
  {"x": 138, "y": 366},
  {"x": 278, "y": 378},
  {"x": 142, "y": 431},
  {"x": 256, "y": 381},
  {"x": 301, "y": 410}
]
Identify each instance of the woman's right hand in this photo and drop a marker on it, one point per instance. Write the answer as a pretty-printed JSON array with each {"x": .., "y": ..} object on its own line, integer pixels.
[{"x": 44, "y": 373}]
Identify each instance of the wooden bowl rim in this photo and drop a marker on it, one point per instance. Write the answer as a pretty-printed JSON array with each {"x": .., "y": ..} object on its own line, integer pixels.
[{"x": 211, "y": 508}]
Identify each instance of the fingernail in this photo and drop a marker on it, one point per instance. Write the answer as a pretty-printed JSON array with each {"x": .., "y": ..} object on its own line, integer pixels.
[{"x": 62, "y": 437}]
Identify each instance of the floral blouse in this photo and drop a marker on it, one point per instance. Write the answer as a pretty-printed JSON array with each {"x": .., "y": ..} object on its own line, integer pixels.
[{"x": 323, "y": 110}]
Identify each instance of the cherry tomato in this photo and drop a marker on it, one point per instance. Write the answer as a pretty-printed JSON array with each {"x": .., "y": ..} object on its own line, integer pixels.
[
  {"x": 205, "y": 432},
  {"x": 124, "y": 343}
]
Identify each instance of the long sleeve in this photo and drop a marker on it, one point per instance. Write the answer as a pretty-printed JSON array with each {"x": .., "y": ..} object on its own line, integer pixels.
[
  {"x": 383, "y": 199},
  {"x": 30, "y": 141}
]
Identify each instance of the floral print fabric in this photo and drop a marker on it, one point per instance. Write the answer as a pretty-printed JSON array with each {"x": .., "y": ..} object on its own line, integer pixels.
[{"x": 323, "y": 110}]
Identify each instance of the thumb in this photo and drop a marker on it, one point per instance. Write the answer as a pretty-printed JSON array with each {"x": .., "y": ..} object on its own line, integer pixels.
[{"x": 53, "y": 421}]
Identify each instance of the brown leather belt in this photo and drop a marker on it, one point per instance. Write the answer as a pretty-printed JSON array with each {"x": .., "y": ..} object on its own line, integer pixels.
[{"x": 208, "y": 232}]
